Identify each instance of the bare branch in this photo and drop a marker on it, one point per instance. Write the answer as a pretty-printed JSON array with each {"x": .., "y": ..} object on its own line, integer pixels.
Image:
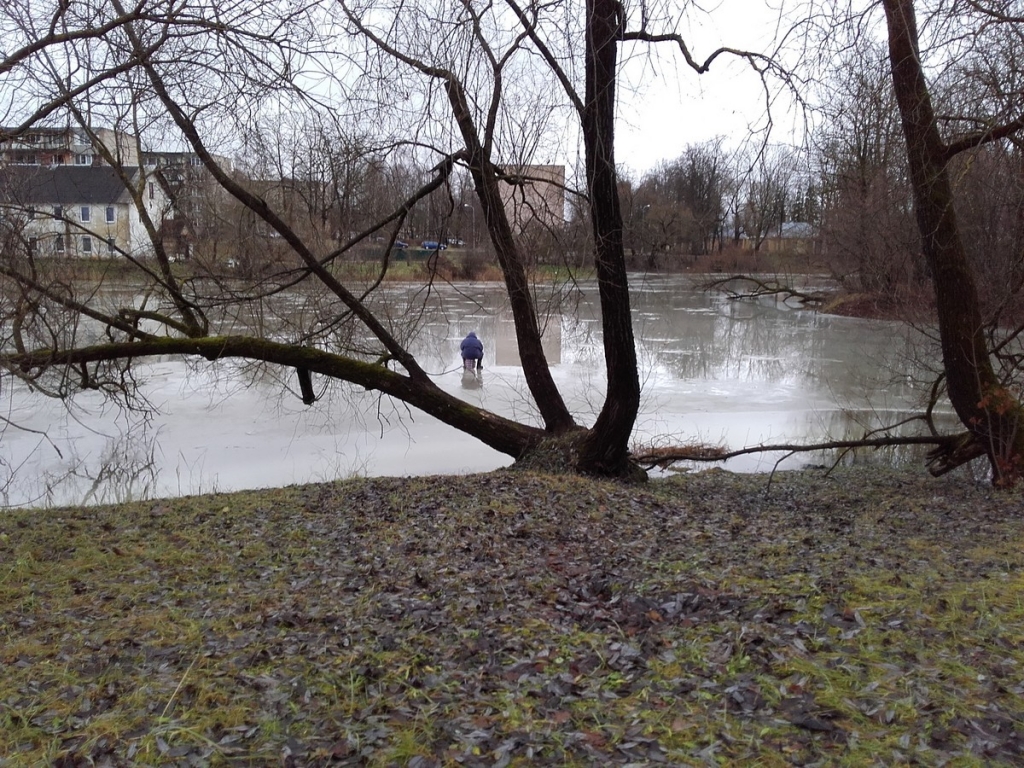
[
  {"x": 666, "y": 456},
  {"x": 980, "y": 138},
  {"x": 502, "y": 434},
  {"x": 531, "y": 29},
  {"x": 763, "y": 288},
  {"x": 759, "y": 62},
  {"x": 260, "y": 208}
]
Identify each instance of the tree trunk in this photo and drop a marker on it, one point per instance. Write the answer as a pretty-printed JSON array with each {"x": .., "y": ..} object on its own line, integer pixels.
[
  {"x": 985, "y": 407},
  {"x": 557, "y": 419},
  {"x": 605, "y": 450}
]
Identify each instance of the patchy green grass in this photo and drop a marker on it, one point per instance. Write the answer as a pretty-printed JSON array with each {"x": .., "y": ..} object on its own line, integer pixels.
[{"x": 867, "y": 617}]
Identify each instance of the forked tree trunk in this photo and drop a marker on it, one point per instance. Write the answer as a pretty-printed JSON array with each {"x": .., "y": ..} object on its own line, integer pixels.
[
  {"x": 605, "y": 449},
  {"x": 986, "y": 408}
]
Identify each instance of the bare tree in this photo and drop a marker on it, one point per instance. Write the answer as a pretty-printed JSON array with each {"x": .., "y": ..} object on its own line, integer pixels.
[
  {"x": 990, "y": 206},
  {"x": 767, "y": 193},
  {"x": 867, "y": 225},
  {"x": 698, "y": 179},
  {"x": 445, "y": 88},
  {"x": 679, "y": 206},
  {"x": 986, "y": 403}
]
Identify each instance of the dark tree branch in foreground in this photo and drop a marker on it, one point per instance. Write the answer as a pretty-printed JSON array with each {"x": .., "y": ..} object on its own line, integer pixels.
[
  {"x": 950, "y": 452},
  {"x": 502, "y": 434}
]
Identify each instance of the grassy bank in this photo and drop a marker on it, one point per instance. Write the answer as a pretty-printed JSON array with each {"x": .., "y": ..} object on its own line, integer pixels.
[{"x": 867, "y": 617}]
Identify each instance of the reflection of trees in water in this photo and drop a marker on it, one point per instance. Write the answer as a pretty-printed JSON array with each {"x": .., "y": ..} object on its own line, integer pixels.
[
  {"x": 707, "y": 337},
  {"x": 126, "y": 470},
  {"x": 690, "y": 333}
]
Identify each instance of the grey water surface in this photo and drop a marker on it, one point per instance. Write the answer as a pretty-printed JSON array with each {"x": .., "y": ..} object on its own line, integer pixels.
[{"x": 713, "y": 370}]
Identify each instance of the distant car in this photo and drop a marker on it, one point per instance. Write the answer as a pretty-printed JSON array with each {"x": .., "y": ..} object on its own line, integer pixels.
[
  {"x": 401, "y": 244},
  {"x": 433, "y": 245},
  {"x": 455, "y": 241}
]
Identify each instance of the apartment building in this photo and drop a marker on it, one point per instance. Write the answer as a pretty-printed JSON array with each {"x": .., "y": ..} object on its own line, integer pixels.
[
  {"x": 539, "y": 200},
  {"x": 71, "y": 146},
  {"x": 66, "y": 199}
]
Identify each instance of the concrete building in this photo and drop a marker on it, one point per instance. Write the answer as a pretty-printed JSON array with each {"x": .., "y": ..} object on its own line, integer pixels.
[
  {"x": 72, "y": 146},
  {"x": 539, "y": 200}
]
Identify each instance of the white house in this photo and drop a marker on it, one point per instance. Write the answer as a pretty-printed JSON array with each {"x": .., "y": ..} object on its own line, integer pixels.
[{"x": 83, "y": 211}]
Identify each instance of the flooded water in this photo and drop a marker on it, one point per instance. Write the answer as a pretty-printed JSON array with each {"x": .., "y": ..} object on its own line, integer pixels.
[{"x": 712, "y": 370}]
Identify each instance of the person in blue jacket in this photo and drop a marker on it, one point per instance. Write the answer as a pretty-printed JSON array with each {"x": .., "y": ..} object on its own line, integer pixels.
[{"x": 472, "y": 352}]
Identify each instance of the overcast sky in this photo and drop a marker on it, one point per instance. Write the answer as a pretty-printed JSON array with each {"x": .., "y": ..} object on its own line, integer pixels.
[{"x": 664, "y": 105}]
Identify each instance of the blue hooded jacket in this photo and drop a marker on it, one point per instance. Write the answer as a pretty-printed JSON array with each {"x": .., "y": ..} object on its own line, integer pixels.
[{"x": 472, "y": 348}]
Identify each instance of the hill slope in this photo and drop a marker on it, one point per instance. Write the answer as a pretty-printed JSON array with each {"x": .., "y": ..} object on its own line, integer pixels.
[{"x": 510, "y": 618}]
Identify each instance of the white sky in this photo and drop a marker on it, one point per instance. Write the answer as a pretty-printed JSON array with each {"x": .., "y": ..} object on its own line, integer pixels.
[{"x": 664, "y": 105}]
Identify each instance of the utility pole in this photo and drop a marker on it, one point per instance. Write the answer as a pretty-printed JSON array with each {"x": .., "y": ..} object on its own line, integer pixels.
[{"x": 472, "y": 210}]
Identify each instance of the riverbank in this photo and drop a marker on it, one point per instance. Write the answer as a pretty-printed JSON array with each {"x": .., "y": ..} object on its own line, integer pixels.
[{"x": 863, "y": 617}]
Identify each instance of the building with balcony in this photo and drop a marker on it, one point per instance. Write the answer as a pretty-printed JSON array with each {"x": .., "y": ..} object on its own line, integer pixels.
[{"x": 71, "y": 146}]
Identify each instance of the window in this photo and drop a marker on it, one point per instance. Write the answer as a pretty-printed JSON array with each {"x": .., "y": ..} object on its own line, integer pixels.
[
  {"x": 33, "y": 244},
  {"x": 111, "y": 214},
  {"x": 58, "y": 212},
  {"x": 31, "y": 212},
  {"x": 195, "y": 161},
  {"x": 86, "y": 213},
  {"x": 58, "y": 244},
  {"x": 152, "y": 192},
  {"x": 83, "y": 159},
  {"x": 151, "y": 160},
  {"x": 86, "y": 244},
  {"x": 110, "y": 246}
]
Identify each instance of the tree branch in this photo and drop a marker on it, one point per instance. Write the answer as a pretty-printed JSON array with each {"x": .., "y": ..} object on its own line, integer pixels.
[
  {"x": 980, "y": 138},
  {"x": 758, "y": 61},
  {"x": 263, "y": 210},
  {"x": 763, "y": 288},
  {"x": 504, "y": 435},
  {"x": 950, "y": 451}
]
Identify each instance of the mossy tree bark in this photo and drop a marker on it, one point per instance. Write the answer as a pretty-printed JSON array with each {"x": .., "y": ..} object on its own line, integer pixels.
[{"x": 504, "y": 435}]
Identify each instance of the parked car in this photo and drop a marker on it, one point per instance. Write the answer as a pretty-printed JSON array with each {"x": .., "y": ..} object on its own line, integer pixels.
[
  {"x": 401, "y": 244},
  {"x": 433, "y": 245},
  {"x": 456, "y": 241}
]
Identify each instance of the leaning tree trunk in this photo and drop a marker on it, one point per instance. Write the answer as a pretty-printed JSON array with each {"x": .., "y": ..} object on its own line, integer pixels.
[
  {"x": 605, "y": 450},
  {"x": 985, "y": 407},
  {"x": 557, "y": 418}
]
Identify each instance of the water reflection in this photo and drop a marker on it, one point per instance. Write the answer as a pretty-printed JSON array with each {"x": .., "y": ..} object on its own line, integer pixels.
[
  {"x": 472, "y": 379},
  {"x": 712, "y": 369}
]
